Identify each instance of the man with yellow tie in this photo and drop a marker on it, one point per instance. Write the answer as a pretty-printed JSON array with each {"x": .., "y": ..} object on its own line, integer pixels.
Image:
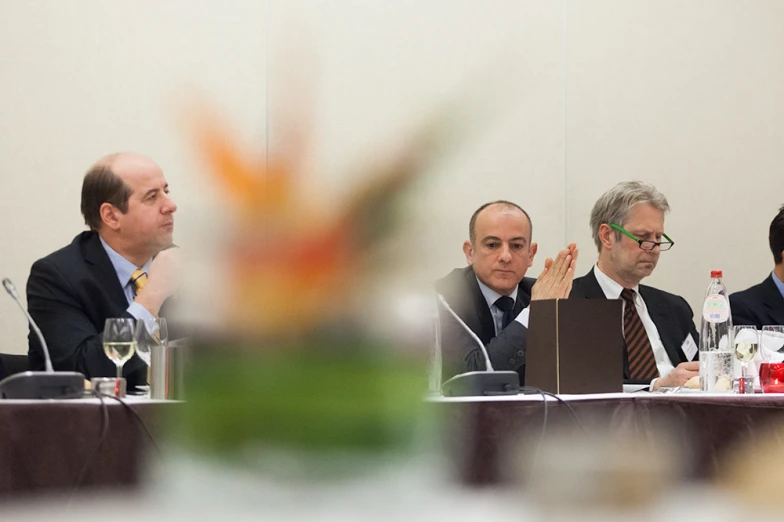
[{"x": 121, "y": 267}]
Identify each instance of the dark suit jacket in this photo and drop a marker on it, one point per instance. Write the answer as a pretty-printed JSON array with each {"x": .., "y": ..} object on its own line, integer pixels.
[
  {"x": 70, "y": 294},
  {"x": 460, "y": 352},
  {"x": 759, "y": 305},
  {"x": 670, "y": 313}
]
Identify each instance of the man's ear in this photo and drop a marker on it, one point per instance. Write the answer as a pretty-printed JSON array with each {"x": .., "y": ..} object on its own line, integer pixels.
[
  {"x": 468, "y": 250},
  {"x": 110, "y": 216},
  {"x": 605, "y": 236},
  {"x": 533, "y": 249}
]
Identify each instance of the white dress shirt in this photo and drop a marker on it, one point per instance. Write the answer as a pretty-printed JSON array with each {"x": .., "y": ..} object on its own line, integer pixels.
[
  {"x": 612, "y": 290},
  {"x": 491, "y": 296}
]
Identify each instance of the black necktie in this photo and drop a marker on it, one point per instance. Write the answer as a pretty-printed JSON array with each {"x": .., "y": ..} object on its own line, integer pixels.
[{"x": 506, "y": 304}]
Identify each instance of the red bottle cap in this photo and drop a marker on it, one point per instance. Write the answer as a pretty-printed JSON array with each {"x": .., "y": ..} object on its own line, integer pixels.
[{"x": 716, "y": 273}]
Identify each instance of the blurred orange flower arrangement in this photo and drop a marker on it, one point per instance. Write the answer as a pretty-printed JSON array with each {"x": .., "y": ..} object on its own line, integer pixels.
[
  {"x": 289, "y": 261},
  {"x": 290, "y": 369}
]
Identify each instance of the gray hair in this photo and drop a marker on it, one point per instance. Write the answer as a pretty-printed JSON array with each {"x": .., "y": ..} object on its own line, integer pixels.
[{"x": 616, "y": 204}]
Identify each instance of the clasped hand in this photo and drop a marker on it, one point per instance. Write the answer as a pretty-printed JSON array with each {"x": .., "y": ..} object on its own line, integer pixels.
[{"x": 555, "y": 281}]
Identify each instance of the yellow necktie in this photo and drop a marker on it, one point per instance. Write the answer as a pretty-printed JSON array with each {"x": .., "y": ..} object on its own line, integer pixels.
[{"x": 139, "y": 279}]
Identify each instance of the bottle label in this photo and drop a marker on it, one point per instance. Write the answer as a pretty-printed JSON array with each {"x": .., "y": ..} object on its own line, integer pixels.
[{"x": 716, "y": 309}]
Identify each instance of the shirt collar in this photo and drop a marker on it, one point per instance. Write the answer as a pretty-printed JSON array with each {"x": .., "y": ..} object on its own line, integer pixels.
[
  {"x": 611, "y": 288},
  {"x": 122, "y": 267},
  {"x": 491, "y": 296},
  {"x": 778, "y": 282}
]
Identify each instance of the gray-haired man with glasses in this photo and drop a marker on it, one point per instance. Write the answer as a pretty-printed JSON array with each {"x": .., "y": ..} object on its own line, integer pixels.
[{"x": 627, "y": 224}]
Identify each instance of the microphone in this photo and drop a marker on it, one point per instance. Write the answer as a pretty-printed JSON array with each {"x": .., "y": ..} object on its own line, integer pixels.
[
  {"x": 11, "y": 289},
  {"x": 488, "y": 364},
  {"x": 487, "y": 382},
  {"x": 39, "y": 385}
]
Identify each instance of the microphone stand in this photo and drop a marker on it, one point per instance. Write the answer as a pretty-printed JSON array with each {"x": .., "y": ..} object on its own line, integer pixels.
[
  {"x": 39, "y": 385},
  {"x": 478, "y": 383}
]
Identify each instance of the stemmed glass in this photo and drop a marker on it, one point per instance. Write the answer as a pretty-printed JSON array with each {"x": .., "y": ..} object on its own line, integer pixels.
[
  {"x": 746, "y": 340},
  {"x": 120, "y": 338},
  {"x": 772, "y": 355}
]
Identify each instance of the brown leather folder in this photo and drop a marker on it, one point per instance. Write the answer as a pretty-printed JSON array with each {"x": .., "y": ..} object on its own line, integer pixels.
[{"x": 575, "y": 346}]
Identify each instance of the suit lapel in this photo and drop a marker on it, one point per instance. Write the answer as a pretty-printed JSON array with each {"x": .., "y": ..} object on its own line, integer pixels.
[
  {"x": 103, "y": 270},
  {"x": 661, "y": 317},
  {"x": 519, "y": 303},
  {"x": 773, "y": 300},
  {"x": 481, "y": 321},
  {"x": 590, "y": 286}
]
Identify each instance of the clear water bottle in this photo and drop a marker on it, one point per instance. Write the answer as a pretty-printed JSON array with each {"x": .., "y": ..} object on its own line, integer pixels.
[{"x": 716, "y": 357}]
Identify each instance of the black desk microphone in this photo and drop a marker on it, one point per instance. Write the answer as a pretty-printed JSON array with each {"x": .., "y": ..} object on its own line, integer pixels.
[
  {"x": 488, "y": 382},
  {"x": 39, "y": 385}
]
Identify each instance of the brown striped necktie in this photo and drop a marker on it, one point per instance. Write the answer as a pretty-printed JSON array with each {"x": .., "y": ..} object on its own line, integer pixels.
[{"x": 642, "y": 362}]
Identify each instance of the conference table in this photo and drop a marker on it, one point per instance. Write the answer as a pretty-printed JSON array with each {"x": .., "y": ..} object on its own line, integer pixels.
[
  {"x": 44, "y": 445},
  {"x": 704, "y": 428}
]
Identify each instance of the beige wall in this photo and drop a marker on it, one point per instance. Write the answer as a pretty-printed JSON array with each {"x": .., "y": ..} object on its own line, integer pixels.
[
  {"x": 563, "y": 100},
  {"x": 684, "y": 95}
]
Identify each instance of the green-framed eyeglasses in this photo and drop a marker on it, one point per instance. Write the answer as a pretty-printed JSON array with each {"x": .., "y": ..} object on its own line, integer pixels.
[{"x": 644, "y": 244}]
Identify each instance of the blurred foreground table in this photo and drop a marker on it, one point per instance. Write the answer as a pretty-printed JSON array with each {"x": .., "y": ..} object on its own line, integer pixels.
[
  {"x": 701, "y": 427},
  {"x": 45, "y": 444}
]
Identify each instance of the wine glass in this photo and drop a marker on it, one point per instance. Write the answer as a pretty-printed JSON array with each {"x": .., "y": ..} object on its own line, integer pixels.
[
  {"x": 120, "y": 338},
  {"x": 746, "y": 341},
  {"x": 772, "y": 355}
]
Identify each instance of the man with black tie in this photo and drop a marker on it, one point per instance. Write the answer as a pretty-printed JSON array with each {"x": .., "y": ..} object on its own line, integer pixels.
[
  {"x": 627, "y": 224},
  {"x": 121, "y": 267},
  {"x": 763, "y": 304},
  {"x": 491, "y": 295}
]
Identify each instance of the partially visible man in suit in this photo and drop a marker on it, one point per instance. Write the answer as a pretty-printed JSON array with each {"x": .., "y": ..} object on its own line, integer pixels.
[
  {"x": 71, "y": 293},
  {"x": 491, "y": 295},
  {"x": 763, "y": 304},
  {"x": 627, "y": 224}
]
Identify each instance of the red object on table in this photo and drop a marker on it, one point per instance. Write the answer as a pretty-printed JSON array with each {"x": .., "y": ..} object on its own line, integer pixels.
[{"x": 771, "y": 377}]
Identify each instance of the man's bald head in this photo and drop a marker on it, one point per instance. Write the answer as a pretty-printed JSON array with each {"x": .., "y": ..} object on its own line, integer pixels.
[
  {"x": 106, "y": 182},
  {"x": 502, "y": 204}
]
